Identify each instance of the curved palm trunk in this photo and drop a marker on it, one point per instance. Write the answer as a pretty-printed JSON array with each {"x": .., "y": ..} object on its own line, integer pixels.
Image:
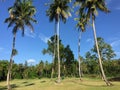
[
  {"x": 10, "y": 64},
  {"x": 58, "y": 54},
  {"x": 100, "y": 61},
  {"x": 80, "y": 75}
]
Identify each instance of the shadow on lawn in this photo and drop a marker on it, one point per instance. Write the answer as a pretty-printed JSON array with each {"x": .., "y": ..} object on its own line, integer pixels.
[
  {"x": 84, "y": 84},
  {"x": 30, "y": 84},
  {"x": 5, "y": 87},
  {"x": 115, "y": 79},
  {"x": 24, "y": 82},
  {"x": 43, "y": 81}
]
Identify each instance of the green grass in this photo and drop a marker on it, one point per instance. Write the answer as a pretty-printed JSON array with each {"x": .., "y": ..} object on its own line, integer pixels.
[{"x": 66, "y": 84}]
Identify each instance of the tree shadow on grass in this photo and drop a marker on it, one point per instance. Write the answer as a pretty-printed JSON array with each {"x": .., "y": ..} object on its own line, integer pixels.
[
  {"x": 14, "y": 86},
  {"x": 3, "y": 88},
  {"x": 43, "y": 81},
  {"x": 84, "y": 84},
  {"x": 115, "y": 79},
  {"x": 24, "y": 82},
  {"x": 30, "y": 84}
]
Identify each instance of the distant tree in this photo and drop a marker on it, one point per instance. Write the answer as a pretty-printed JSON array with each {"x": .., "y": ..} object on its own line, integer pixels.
[
  {"x": 106, "y": 53},
  {"x": 69, "y": 60},
  {"x": 58, "y": 10},
  {"x": 106, "y": 50},
  {"x": 40, "y": 68},
  {"x": 3, "y": 69},
  {"x": 91, "y": 62},
  {"x": 51, "y": 51},
  {"x": 25, "y": 72},
  {"x": 21, "y": 14}
]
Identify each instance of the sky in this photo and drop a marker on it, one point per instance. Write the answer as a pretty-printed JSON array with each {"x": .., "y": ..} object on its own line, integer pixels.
[{"x": 31, "y": 45}]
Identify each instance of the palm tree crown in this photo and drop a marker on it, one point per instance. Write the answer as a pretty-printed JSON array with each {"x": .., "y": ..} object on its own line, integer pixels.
[
  {"x": 59, "y": 7},
  {"x": 90, "y": 7},
  {"x": 21, "y": 14}
]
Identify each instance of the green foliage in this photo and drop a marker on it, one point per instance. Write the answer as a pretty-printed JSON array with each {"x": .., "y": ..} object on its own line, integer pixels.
[
  {"x": 3, "y": 69},
  {"x": 66, "y": 55},
  {"x": 106, "y": 51},
  {"x": 43, "y": 69},
  {"x": 21, "y": 15},
  {"x": 59, "y": 7}
]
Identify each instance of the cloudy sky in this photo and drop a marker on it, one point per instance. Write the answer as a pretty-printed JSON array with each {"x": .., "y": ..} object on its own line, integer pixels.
[{"x": 31, "y": 45}]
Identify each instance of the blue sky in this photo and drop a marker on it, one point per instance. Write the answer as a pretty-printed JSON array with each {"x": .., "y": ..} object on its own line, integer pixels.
[{"x": 31, "y": 45}]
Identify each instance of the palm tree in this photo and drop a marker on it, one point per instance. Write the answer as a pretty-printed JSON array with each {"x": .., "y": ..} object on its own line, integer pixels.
[
  {"x": 81, "y": 28},
  {"x": 21, "y": 15},
  {"x": 58, "y": 10},
  {"x": 89, "y": 8}
]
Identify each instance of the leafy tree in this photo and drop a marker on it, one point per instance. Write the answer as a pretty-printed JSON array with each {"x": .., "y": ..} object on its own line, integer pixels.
[
  {"x": 40, "y": 68},
  {"x": 25, "y": 72},
  {"x": 105, "y": 49},
  {"x": 89, "y": 8},
  {"x": 21, "y": 15},
  {"x": 58, "y": 10},
  {"x": 91, "y": 62},
  {"x": 69, "y": 60},
  {"x": 3, "y": 69},
  {"x": 51, "y": 51}
]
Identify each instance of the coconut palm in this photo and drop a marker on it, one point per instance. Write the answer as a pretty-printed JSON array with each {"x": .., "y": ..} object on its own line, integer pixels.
[
  {"x": 21, "y": 15},
  {"x": 58, "y": 10},
  {"x": 90, "y": 9},
  {"x": 81, "y": 28}
]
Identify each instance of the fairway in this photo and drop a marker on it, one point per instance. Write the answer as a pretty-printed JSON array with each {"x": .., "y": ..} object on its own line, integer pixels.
[{"x": 66, "y": 84}]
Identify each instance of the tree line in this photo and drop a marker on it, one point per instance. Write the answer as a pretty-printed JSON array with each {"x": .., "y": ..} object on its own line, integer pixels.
[
  {"x": 43, "y": 69},
  {"x": 69, "y": 65}
]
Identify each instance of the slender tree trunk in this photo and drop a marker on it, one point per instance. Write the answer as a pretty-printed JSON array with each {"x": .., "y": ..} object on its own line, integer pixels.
[
  {"x": 54, "y": 53},
  {"x": 79, "y": 54},
  {"x": 10, "y": 64},
  {"x": 58, "y": 54},
  {"x": 100, "y": 61}
]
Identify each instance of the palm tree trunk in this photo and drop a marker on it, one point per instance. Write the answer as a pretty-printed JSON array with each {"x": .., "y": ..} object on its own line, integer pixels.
[
  {"x": 54, "y": 53},
  {"x": 79, "y": 54},
  {"x": 10, "y": 64},
  {"x": 100, "y": 61},
  {"x": 58, "y": 49}
]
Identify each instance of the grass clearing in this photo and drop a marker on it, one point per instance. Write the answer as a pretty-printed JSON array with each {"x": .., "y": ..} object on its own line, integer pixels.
[{"x": 66, "y": 84}]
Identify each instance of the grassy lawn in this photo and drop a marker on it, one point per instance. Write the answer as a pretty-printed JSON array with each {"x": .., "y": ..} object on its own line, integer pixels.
[{"x": 66, "y": 84}]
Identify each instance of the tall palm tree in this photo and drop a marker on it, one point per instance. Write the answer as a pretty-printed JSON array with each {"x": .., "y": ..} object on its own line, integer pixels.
[
  {"x": 21, "y": 15},
  {"x": 81, "y": 28},
  {"x": 58, "y": 10},
  {"x": 89, "y": 8}
]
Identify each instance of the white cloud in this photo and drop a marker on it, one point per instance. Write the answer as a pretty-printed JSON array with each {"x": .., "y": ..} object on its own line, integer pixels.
[
  {"x": 115, "y": 43},
  {"x": 108, "y": 1},
  {"x": 90, "y": 40},
  {"x": 31, "y": 61},
  {"x": 44, "y": 38},
  {"x": 117, "y": 8},
  {"x": 1, "y": 49},
  {"x": 117, "y": 54},
  {"x": 30, "y": 33}
]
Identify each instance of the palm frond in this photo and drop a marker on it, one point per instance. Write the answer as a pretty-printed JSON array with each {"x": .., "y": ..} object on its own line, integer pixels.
[{"x": 22, "y": 15}]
